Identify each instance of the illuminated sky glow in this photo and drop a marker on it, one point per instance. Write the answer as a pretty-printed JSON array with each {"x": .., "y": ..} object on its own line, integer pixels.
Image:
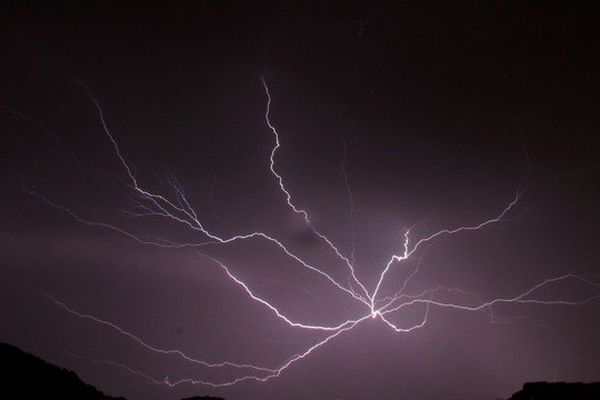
[
  {"x": 179, "y": 210},
  {"x": 298, "y": 200}
]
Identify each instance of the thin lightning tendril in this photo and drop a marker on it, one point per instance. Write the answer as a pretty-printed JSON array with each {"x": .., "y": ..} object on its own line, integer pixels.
[
  {"x": 288, "y": 196},
  {"x": 147, "y": 203}
]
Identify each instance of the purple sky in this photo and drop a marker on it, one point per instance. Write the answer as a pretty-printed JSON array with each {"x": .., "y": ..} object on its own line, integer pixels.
[{"x": 390, "y": 118}]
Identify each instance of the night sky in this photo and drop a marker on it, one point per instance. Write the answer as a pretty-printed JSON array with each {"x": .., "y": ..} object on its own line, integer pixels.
[{"x": 392, "y": 118}]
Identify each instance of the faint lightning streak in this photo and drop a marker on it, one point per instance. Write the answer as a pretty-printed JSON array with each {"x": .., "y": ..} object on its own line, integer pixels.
[
  {"x": 468, "y": 228},
  {"x": 153, "y": 348},
  {"x": 272, "y": 372},
  {"x": 350, "y": 198},
  {"x": 400, "y": 291},
  {"x": 117, "y": 365},
  {"x": 412, "y": 328},
  {"x": 181, "y": 197},
  {"x": 110, "y": 136},
  {"x": 288, "y": 196},
  {"x": 492, "y": 302},
  {"x": 277, "y": 371},
  {"x": 99, "y": 224},
  {"x": 517, "y": 299}
]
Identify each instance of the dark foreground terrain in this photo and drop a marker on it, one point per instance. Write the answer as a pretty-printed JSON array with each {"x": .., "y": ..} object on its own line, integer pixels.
[
  {"x": 25, "y": 376},
  {"x": 20, "y": 369},
  {"x": 558, "y": 391}
]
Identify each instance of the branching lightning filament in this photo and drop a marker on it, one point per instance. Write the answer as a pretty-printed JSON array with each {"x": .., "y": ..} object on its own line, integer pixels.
[{"x": 176, "y": 208}]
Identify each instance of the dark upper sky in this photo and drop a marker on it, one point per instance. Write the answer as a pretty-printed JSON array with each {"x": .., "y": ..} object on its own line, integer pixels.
[{"x": 436, "y": 113}]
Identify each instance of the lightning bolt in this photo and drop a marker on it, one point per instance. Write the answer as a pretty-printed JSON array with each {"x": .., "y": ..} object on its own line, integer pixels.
[{"x": 178, "y": 209}]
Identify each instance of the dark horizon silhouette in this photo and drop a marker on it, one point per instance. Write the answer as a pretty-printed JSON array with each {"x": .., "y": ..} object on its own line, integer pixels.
[
  {"x": 30, "y": 377},
  {"x": 558, "y": 391},
  {"x": 22, "y": 369},
  {"x": 26, "y": 376}
]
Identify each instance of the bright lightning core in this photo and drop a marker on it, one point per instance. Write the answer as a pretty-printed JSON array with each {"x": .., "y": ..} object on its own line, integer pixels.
[{"x": 175, "y": 207}]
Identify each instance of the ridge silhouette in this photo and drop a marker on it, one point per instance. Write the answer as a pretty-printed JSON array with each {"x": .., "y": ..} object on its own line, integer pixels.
[
  {"x": 558, "y": 391},
  {"x": 25, "y": 376}
]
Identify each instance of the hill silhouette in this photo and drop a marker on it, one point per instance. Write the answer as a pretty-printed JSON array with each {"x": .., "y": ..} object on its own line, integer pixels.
[
  {"x": 558, "y": 391},
  {"x": 203, "y": 398},
  {"x": 30, "y": 377},
  {"x": 26, "y": 376}
]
